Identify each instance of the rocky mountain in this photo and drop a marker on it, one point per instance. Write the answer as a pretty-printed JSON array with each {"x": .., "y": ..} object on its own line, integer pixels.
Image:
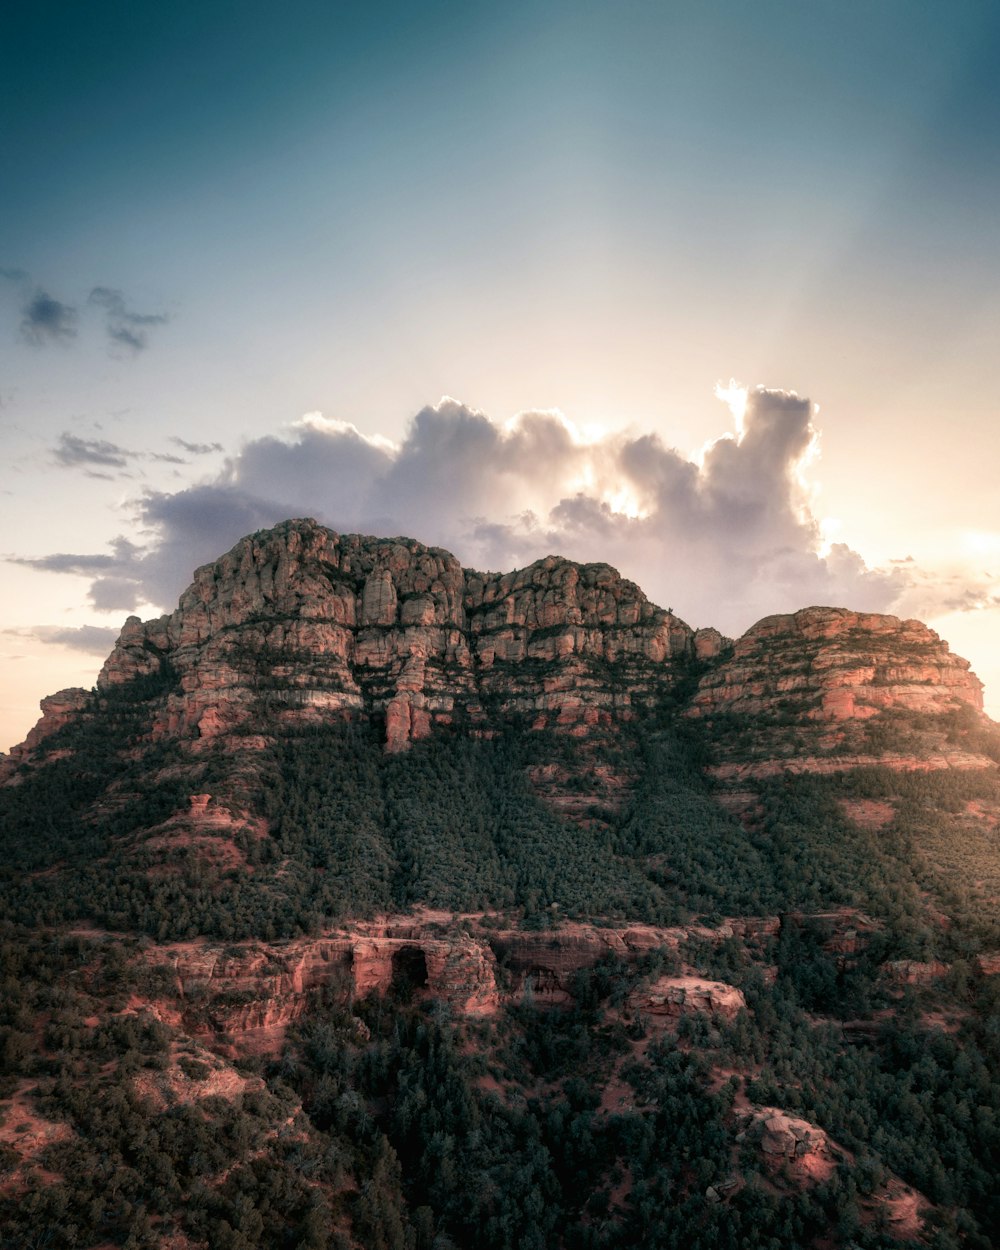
[
  {"x": 373, "y": 901},
  {"x": 308, "y": 625}
]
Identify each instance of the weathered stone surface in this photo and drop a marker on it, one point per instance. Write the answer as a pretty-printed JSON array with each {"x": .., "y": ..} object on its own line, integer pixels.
[
  {"x": 312, "y": 624},
  {"x": 831, "y": 664},
  {"x": 298, "y": 625},
  {"x": 249, "y": 992},
  {"x": 827, "y": 689},
  {"x": 789, "y": 1138},
  {"x": 782, "y": 1136},
  {"x": 57, "y": 710},
  {"x": 687, "y": 995},
  {"x": 914, "y": 971}
]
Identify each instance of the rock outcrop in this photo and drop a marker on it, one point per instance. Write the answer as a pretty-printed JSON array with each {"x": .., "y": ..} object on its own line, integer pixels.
[
  {"x": 298, "y": 624},
  {"x": 826, "y": 689},
  {"x": 914, "y": 971},
  {"x": 250, "y": 992},
  {"x": 784, "y": 1137},
  {"x": 831, "y": 664},
  {"x": 311, "y": 624},
  {"x": 57, "y": 711},
  {"x": 688, "y": 995}
]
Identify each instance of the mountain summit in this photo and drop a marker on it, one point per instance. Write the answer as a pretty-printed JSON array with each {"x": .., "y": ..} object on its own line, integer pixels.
[
  {"x": 298, "y": 625},
  {"x": 374, "y": 902}
]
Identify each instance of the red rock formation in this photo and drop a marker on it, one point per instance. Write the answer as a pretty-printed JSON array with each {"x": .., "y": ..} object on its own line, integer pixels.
[
  {"x": 834, "y": 664},
  {"x": 826, "y": 689},
  {"x": 57, "y": 711},
  {"x": 784, "y": 1137},
  {"x": 298, "y": 624},
  {"x": 914, "y": 971},
  {"x": 687, "y": 995},
  {"x": 310, "y": 624},
  {"x": 250, "y": 992}
]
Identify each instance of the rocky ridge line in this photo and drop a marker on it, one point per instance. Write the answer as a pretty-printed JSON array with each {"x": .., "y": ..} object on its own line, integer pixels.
[{"x": 298, "y": 624}]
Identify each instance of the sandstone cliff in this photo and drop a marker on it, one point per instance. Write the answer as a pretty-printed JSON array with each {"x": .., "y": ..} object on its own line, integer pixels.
[
  {"x": 830, "y": 664},
  {"x": 297, "y": 625},
  {"x": 315, "y": 624},
  {"x": 825, "y": 689}
]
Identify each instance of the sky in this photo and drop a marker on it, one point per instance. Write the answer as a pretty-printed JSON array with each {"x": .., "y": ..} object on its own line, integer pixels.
[{"x": 708, "y": 291}]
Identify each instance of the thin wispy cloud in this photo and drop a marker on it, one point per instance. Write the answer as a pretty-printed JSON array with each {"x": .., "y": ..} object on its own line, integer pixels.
[
  {"x": 196, "y": 449},
  {"x": 99, "y": 457},
  {"x": 124, "y": 327},
  {"x": 91, "y": 639},
  {"x": 72, "y": 451}
]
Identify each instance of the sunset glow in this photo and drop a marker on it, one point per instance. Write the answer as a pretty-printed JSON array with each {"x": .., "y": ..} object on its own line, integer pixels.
[{"x": 239, "y": 301}]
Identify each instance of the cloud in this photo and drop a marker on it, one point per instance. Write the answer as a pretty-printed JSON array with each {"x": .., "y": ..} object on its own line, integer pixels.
[
  {"x": 724, "y": 538},
  {"x": 97, "y": 455},
  {"x": 92, "y": 639},
  {"x": 114, "y": 585},
  {"x": 196, "y": 449},
  {"x": 47, "y": 320},
  {"x": 72, "y": 451},
  {"x": 125, "y": 328}
]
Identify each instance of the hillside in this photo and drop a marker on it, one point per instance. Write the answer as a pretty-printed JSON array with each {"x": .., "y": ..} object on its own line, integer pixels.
[{"x": 375, "y": 901}]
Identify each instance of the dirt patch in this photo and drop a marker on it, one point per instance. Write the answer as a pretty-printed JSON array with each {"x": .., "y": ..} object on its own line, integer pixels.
[
  {"x": 873, "y": 814},
  {"x": 192, "y": 1076},
  {"x": 944, "y": 1021},
  {"x": 26, "y": 1132},
  {"x": 907, "y": 1209}
]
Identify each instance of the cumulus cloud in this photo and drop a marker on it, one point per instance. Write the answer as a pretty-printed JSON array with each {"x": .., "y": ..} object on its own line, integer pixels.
[
  {"x": 45, "y": 319},
  {"x": 92, "y": 639},
  {"x": 124, "y": 327},
  {"x": 724, "y": 538}
]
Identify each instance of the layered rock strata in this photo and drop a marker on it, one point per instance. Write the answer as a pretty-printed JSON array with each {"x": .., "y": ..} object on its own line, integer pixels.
[
  {"x": 249, "y": 992},
  {"x": 298, "y": 624},
  {"x": 831, "y": 664},
  {"x": 311, "y": 624},
  {"x": 689, "y": 995}
]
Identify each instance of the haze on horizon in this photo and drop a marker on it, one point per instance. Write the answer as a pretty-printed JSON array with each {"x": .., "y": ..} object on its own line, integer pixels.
[{"x": 245, "y": 252}]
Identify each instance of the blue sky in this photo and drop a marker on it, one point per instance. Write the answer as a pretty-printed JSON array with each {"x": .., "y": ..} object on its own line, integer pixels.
[{"x": 219, "y": 218}]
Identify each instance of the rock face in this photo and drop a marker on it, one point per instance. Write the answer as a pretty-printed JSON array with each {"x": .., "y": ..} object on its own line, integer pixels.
[
  {"x": 57, "y": 710},
  {"x": 783, "y": 1137},
  {"x": 914, "y": 971},
  {"x": 830, "y": 664},
  {"x": 298, "y": 624},
  {"x": 687, "y": 995},
  {"x": 813, "y": 690},
  {"x": 250, "y": 992},
  {"x": 314, "y": 624}
]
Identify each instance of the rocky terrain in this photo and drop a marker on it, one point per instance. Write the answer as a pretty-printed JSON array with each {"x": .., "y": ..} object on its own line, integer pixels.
[
  {"x": 307, "y": 625},
  {"x": 370, "y": 901}
]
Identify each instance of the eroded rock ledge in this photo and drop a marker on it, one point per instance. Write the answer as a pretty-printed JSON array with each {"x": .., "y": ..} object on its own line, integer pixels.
[
  {"x": 315, "y": 623},
  {"x": 246, "y": 994}
]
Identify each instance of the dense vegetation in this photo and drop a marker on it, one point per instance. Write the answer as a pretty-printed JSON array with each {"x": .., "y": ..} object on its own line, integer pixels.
[
  {"x": 388, "y": 1124},
  {"x": 400, "y": 1128}
]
